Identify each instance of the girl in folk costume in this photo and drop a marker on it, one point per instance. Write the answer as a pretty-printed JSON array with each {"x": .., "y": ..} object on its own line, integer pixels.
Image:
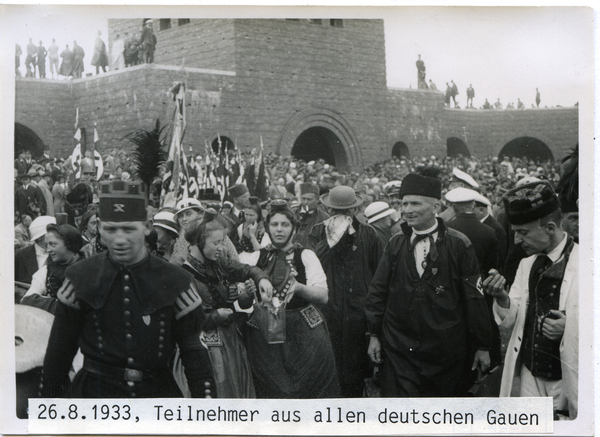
[
  {"x": 251, "y": 232},
  {"x": 215, "y": 280},
  {"x": 287, "y": 340}
]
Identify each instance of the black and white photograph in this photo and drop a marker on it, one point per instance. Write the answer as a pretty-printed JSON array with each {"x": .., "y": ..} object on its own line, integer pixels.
[{"x": 304, "y": 220}]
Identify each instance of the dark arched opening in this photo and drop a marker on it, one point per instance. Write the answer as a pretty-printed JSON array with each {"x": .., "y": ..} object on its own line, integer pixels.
[
  {"x": 527, "y": 147},
  {"x": 400, "y": 150},
  {"x": 320, "y": 143},
  {"x": 455, "y": 147},
  {"x": 26, "y": 139},
  {"x": 226, "y": 143}
]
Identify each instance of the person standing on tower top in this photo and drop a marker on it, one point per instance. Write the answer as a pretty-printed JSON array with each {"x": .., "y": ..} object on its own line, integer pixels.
[{"x": 422, "y": 84}]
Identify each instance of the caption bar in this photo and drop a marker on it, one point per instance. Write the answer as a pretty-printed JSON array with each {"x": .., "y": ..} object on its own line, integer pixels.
[{"x": 292, "y": 417}]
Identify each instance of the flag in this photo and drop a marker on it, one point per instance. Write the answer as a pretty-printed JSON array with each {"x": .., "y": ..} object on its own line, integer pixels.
[
  {"x": 175, "y": 180},
  {"x": 98, "y": 164}
]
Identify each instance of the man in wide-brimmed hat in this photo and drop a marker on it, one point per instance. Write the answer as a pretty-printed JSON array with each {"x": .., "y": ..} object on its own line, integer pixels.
[
  {"x": 427, "y": 316},
  {"x": 542, "y": 308},
  {"x": 349, "y": 252}
]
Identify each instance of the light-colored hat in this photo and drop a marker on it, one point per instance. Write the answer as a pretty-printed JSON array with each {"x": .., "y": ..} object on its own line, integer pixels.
[
  {"x": 461, "y": 175},
  {"x": 189, "y": 203},
  {"x": 482, "y": 200},
  {"x": 461, "y": 194},
  {"x": 376, "y": 211},
  {"x": 165, "y": 220},
  {"x": 37, "y": 228},
  {"x": 341, "y": 197}
]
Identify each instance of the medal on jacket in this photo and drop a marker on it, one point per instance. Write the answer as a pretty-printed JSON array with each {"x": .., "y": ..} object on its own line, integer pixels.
[
  {"x": 424, "y": 264},
  {"x": 146, "y": 320}
]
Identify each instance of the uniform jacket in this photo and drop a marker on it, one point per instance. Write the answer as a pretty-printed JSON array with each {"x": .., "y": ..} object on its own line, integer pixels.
[
  {"x": 515, "y": 320},
  {"x": 502, "y": 240},
  {"x": 482, "y": 237},
  {"x": 31, "y": 194},
  {"x": 126, "y": 317},
  {"x": 25, "y": 264},
  {"x": 429, "y": 320}
]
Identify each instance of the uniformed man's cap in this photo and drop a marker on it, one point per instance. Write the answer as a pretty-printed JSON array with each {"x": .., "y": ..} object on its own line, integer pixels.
[
  {"x": 481, "y": 200},
  {"x": 122, "y": 201},
  {"x": 308, "y": 188},
  {"x": 530, "y": 202},
  {"x": 464, "y": 177},
  {"x": 459, "y": 195}
]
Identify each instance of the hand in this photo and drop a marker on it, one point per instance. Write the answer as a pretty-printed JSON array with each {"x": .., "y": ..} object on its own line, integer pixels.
[
  {"x": 554, "y": 325},
  {"x": 223, "y": 315},
  {"x": 374, "y": 350},
  {"x": 250, "y": 287},
  {"x": 233, "y": 293},
  {"x": 266, "y": 290},
  {"x": 481, "y": 361},
  {"x": 494, "y": 285},
  {"x": 252, "y": 229}
]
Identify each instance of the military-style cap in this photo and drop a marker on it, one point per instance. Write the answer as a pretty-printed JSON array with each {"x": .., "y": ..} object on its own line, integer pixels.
[
  {"x": 122, "y": 201},
  {"x": 307, "y": 188},
  {"x": 530, "y": 202},
  {"x": 238, "y": 190},
  {"x": 481, "y": 200},
  {"x": 458, "y": 195},
  {"x": 464, "y": 177}
]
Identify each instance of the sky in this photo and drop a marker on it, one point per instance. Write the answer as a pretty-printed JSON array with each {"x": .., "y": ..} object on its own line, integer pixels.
[{"x": 505, "y": 53}]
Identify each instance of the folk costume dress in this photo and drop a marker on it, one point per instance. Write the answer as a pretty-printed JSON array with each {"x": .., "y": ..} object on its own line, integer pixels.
[
  {"x": 302, "y": 365},
  {"x": 232, "y": 372}
]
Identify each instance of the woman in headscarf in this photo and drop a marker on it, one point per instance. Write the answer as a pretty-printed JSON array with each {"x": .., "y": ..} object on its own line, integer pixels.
[
  {"x": 63, "y": 244},
  {"x": 215, "y": 280},
  {"x": 291, "y": 358},
  {"x": 88, "y": 226},
  {"x": 251, "y": 232}
]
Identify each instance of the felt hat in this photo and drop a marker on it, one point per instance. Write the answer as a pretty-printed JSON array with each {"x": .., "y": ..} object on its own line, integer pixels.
[
  {"x": 460, "y": 194},
  {"x": 530, "y": 202},
  {"x": 460, "y": 175},
  {"x": 307, "y": 188},
  {"x": 165, "y": 220},
  {"x": 38, "y": 226},
  {"x": 376, "y": 211},
  {"x": 238, "y": 190},
  {"x": 122, "y": 201},
  {"x": 341, "y": 197},
  {"x": 418, "y": 185}
]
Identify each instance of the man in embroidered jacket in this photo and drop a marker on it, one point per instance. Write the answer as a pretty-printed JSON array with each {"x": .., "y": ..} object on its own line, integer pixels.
[{"x": 126, "y": 310}]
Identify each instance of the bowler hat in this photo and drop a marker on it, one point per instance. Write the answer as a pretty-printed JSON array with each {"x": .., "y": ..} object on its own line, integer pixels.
[{"x": 341, "y": 197}]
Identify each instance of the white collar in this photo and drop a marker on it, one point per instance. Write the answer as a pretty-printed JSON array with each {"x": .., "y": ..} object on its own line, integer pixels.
[
  {"x": 485, "y": 218},
  {"x": 426, "y": 231},
  {"x": 555, "y": 253}
]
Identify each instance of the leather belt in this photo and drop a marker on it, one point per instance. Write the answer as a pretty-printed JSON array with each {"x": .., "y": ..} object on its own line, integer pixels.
[{"x": 122, "y": 373}]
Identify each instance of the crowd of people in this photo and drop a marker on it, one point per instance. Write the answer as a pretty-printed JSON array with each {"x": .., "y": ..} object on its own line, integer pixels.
[
  {"x": 125, "y": 52},
  {"x": 406, "y": 279}
]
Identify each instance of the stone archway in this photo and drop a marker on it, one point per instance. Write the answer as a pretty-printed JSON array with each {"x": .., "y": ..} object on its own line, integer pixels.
[
  {"x": 456, "y": 146},
  {"x": 527, "y": 147},
  {"x": 333, "y": 131},
  {"x": 27, "y": 139},
  {"x": 319, "y": 143},
  {"x": 400, "y": 150}
]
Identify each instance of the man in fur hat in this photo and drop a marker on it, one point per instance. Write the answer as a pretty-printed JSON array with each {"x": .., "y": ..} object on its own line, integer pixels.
[
  {"x": 426, "y": 313},
  {"x": 541, "y": 307},
  {"x": 310, "y": 214},
  {"x": 125, "y": 309}
]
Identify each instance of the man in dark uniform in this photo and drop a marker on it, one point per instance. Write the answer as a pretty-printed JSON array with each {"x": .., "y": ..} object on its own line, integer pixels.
[
  {"x": 310, "y": 213},
  {"x": 481, "y": 211},
  {"x": 427, "y": 316},
  {"x": 349, "y": 253},
  {"x": 459, "y": 179},
  {"x": 148, "y": 42},
  {"x": 126, "y": 310},
  {"x": 484, "y": 242},
  {"x": 29, "y": 199}
]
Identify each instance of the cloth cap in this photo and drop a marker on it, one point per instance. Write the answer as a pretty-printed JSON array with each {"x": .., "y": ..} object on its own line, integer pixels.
[
  {"x": 341, "y": 197},
  {"x": 189, "y": 203},
  {"x": 37, "y": 228},
  {"x": 458, "y": 195},
  {"x": 376, "y": 211},
  {"x": 464, "y": 177},
  {"x": 238, "y": 190},
  {"x": 122, "y": 201},
  {"x": 307, "y": 188},
  {"x": 165, "y": 220},
  {"x": 418, "y": 185},
  {"x": 481, "y": 200},
  {"x": 530, "y": 202}
]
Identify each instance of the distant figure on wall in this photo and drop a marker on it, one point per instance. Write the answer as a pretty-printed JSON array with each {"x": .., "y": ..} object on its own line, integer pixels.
[
  {"x": 53, "y": 58},
  {"x": 454, "y": 92},
  {"x": 117, "y": 56},
  {"x": 432, "y": 85},
  {"x": 422, "y": 83},
  {"x": 18, "y": 53},
  {"x": 148, "y": 42},
  {"x": 66, "y": 68},
  {"x": 41, "y": 60},
  {"x": 537, "y": 98},
  {"x": 30, "y": 61},
  {"x": 470, "y": 95},
  {"x": 100, "y": 58},
  {"x": 448, "y": 94},
  {"x": 520, "y": 104},
  {"x": 78, "y": 55}
]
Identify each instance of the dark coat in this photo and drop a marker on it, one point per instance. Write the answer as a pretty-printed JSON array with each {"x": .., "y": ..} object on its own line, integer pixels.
[
  {"x": 429, "y": 326},
  {"x": 27, "y": 197},
  {"x": 25, "y": 264},
  {"x": 349, "y": 266},
  {"x": 502, "y": 240},
  {"x": 307, "y": 222},
  {"x": 483, "y": 239},
  {"x": 125, "y": 317}
]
